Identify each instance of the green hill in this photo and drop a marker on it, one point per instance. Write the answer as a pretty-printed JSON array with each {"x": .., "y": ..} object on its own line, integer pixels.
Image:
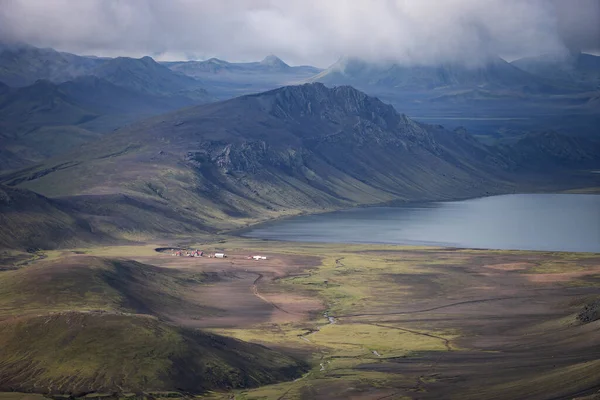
[
  {"x": 31, "y": 221},
  {"x": 85, "y": 283},
  {"x": 78, "y": 353},
  {"x": 81, "y": 324}
]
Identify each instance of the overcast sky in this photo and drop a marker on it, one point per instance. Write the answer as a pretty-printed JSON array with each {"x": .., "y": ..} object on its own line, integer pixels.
[{"x": 313, "y": 32}]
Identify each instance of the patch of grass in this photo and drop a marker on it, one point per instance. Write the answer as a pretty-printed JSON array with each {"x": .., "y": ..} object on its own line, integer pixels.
[{"x": 363, "y": 339}]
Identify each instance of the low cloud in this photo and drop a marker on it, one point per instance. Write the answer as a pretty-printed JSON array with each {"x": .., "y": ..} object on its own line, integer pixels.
[{"x": 306, "y": 31}]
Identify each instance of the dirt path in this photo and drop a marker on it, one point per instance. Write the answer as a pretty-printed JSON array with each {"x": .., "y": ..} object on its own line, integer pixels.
[{"x": 263, "y": 298}]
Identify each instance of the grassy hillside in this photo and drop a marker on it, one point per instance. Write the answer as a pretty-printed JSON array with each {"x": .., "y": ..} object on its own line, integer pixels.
[
  {"x": 31, "y": 221},
  {"x": 77, "y": 353},
  {"x": 76, "y": 324},
  {"x": 78, "y": 282}
]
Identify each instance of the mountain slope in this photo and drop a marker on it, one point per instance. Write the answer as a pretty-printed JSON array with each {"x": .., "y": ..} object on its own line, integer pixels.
[
  {"x": 41, "y": 104},
  {"x": 298, "y": 148},
  {"x": 32, "y": 221},
  {"x": 79, "y": 353},
  {"x": 547, "y": 151},
  {"x": 145, "y": 75}
]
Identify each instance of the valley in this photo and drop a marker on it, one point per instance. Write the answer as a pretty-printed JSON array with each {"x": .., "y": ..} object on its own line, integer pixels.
[{"x": 369, "y": 321}]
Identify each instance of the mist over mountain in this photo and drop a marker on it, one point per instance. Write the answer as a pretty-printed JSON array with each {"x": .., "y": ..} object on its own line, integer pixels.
[
  {"x": 580, "y": 68},
  {"x": 309, "y": 32},
  {"x": 495, "y": 73},
  {"x": 22, "y": 65}
]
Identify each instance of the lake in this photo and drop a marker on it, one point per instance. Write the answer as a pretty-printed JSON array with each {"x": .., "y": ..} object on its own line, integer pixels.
[{"x": 554, "y": 222}]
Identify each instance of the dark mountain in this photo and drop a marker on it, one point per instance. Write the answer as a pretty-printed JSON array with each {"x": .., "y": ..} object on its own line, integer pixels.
[
  {"x": 41, "y": 104},
  {"x": 46, "y": 118},
  {"x": 105, "y": 97},
  {"x": 578, "y": 69},
  {"x": 258, "y": 156},
  {"x": 548, "y": 151},
  {"x": 22, "y": 65},
  {"x": 495, "y": 74},
  {"x": 4, "y": 88},
  {"x": 146, "y": 76},
  {"x": 38, "y": 121}
]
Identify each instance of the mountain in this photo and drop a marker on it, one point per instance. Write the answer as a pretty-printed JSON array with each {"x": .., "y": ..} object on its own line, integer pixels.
[
  {"x": 46, "y": 118},
  {"x": 273, "y": 62},
  {"x": 550, "y": 151},
  {"x": 106, "y": 97},
  {"x": 581, "y": 69},
  {"x": 293, "y": 149},
  {"x": 23, "y": 65},
  {"x": 269, "y": 65},
  {"x": 495, "y": 74},
  {"x": 40, "y": 104},
  {"x": 227, "y": 79},
  {"x": 145, "y": 75}
]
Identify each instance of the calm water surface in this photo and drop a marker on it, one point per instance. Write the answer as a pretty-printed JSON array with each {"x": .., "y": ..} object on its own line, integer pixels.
[{"x": 557, "y": 222}]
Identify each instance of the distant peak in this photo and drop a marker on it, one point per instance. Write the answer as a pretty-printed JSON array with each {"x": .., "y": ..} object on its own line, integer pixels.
[
  {"x": 273, "y": 61},
  {"x": 131, "y": 60},
  {"x": 216, "y": 61}
]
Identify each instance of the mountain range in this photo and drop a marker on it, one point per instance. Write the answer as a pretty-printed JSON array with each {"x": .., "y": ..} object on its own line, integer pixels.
[
  {"x": 68, "y": 100},
  {"x": 92, "y": 96},
  {"x": 227, "y": 79}
]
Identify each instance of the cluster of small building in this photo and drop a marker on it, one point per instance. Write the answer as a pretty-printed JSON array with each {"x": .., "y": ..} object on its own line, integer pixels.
[
  {"x": 188, "y": 253},
  {"x": 200, "y": 253},
  {"x": 196, "y": 253}
]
